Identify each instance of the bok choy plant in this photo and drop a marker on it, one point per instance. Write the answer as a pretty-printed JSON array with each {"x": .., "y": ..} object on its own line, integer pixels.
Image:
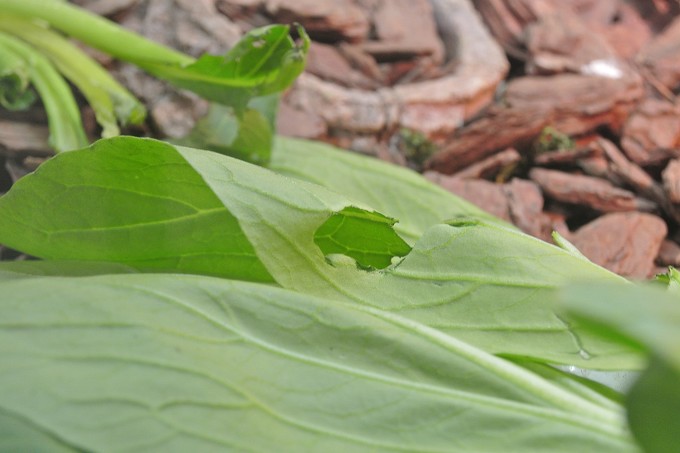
[
  {"x": 184, "y": 300},
  {"x": 246, "y": 80},
  {"x": 312, "y": 321}
]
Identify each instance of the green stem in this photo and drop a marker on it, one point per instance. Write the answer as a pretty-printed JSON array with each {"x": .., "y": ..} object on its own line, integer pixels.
[
  {"x": 95, "y": 31},
  {"x": 66, "y": 127},
  {"x": 108, "y": 98}
]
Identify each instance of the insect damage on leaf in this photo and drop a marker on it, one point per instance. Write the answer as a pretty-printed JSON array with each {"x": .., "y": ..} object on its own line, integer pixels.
[{"x": 366, "y": 236}]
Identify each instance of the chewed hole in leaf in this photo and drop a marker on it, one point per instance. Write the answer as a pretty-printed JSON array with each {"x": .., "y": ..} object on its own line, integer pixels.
[{"x": 365, "y": 236}]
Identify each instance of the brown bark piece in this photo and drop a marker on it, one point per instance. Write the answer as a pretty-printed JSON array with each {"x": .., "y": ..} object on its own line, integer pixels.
[
  {"x": 490, "y": 166},
  {"x": 438, "y": 107},
  {"x": 596, "y": 166},
  {"x": 405, "y": 29},
  {"x": 669, "y": 254},
  {"x": 508, "y": 19},
  {"x": 484, "y": 194},
  {"x": 525, "y": 206},
  {"x": 625, "y": 243},
  {"x": 328, "y": 63},
  {"x": 512, "y": 127},
  {"x": 323, "y": 19},
  {"x": 629, "y": 172},
  {"x": 434, "y": 107},
  {"x": 624, "y": 28},
  {"x": 588, "y": 191},
  {"x": 662, "y": 56},
  {"x": 652, "y": 133},
  {"x": 671, "y": 180},
  {"x": 578, "y": 104},
  {"x": 299, "y": 123},
  {"x": 24, "y": 138},
  {"x": 568, "y": 156},
  {"x": 562, "y": 42},
  {"x": 573, "y": 104}
]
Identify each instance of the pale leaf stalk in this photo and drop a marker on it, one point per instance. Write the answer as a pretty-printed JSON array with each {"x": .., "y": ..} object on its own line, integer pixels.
[
  {"x": 109, "y": 99},
  {"x": 65, "y": 124},
  {"x": 95, "y": 31}
]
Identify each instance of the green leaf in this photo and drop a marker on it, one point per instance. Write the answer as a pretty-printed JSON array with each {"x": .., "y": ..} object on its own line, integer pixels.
[
  {"x": 645, "y": 318},
  {"x": 23, "y": 269},
  {"x": 247, "y": 137},
  {"x": 63, "y": 115},
  {"x": 394, "y": 191},
  {"x": 265, "y": 61},
  {"x": 641, "y": 318},
  {"x": 361, "y": 235},
  {"x": 187, "y": 363},
  {"x": 653, "y": 405},
  {"x": 131, "y": 201},
  {"x": 670, "y": 279},
  {"x": 152, "y": 206},
  {"x": 486, "y": 284}
]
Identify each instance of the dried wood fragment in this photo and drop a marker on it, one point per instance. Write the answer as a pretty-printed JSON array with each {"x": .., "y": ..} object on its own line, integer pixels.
[
  {"x": 596, "y": 193},
  {"x": 671, "y": 180},
  {"x": 662, "y": 56},
  {"x": 490, "y": 166},
  {"x": 327, "y": 20},
  {"x": 328, "y": 63},
  {"x": 562, "y": 42},
  {"x": 567, "y": 156},
  {"x": 625, "y": 243},
  {"x": 24, "y": 138},
  {"x": 394, "y": 23},
  {"x": 669, "y": 254},
  {"x": 652, "y": 133},
  {"x": 512, "y": 127}
]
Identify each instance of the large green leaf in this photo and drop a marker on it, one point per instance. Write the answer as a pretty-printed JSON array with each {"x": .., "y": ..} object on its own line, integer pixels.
[
  {"x": 188, "y": 363},
  {"x": 640, "y": 318},
  {"x": 154, "y": 206},
  {"x": 395, "y": 191},
  {"x": 22, "y": 269},
  {"x": 265, "y": 61}
]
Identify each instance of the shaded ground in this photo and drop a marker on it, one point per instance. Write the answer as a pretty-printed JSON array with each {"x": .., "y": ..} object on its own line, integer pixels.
[{"x": 553, "y": 114}]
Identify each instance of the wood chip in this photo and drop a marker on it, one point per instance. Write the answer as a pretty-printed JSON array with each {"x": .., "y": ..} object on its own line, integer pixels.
[
  {"x": 662, "y": 56},
  {"x": 625, "y": 243},
  {"x": 490, "y": 166},
  {"x": 394, "y": 22},
  {"x": 596, "y": 193},
  {"x": 671, "y": 180},
  {"x": 652, "y": 133},
  {"x": 24, "y": 138},
  {"x": 326, "y": 20},
  {"x": 567, "y": 156},
  {"x": 669, "y": 254},
  {"x": 573, "y": 104}
]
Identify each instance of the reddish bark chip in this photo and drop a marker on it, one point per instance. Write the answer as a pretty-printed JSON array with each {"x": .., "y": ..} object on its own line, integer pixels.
[
  {"x": 652, "y": 133},
  {"x": 328, "y": 19},
  {"x": 625, "y": 243},
  {"x": 669, "y": 254},
  {"x": 490, "y": 166},
  {"x": 661, "y": 56},
  {"x": 588, "y": 191},
  {"x": 562, "y": 42},
  {"x": 671, "y": 180}
]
